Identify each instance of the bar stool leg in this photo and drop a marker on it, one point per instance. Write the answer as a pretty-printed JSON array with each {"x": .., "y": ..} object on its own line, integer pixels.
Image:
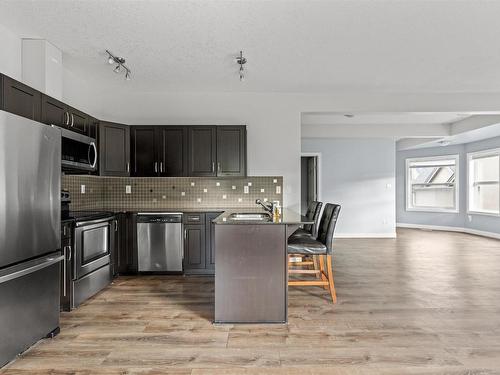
[
  {"x": 322, "y": 269},
  {"x": 330, "y": 278}
]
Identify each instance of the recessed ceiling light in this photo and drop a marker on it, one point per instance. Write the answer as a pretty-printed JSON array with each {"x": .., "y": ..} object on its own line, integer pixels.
[
  {"x": 349, "y": 115},
  {"x": 444, "y": 142}
]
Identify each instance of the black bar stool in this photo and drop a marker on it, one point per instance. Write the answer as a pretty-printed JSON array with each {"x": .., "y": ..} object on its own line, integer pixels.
[{"x": 317, "y": 249}]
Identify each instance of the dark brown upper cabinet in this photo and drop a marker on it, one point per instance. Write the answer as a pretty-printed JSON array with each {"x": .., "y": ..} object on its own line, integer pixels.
[
  {"x": 20, "y": 99},
  {"x": 114, "y": 149},
  {"x": 231, "y": 151},
  {"x": 202, "y": 148},
  {"x": 54, "y": 112},
  {"x": 172, "y": 151},
  {"x": 79, "y": 121},
  {"x": 57, "y": 113},
  {"x": 143, "y": 155}
]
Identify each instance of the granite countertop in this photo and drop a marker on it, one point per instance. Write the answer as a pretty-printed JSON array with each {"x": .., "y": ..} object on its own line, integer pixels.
[
  {"x": 287, "y": 217},
  {"x": 181, "y": 209}
]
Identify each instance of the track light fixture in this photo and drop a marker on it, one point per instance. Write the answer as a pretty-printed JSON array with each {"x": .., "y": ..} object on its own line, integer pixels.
[
  {"x": 240, "y": 60},
  {"x": 120, "y": 63}
]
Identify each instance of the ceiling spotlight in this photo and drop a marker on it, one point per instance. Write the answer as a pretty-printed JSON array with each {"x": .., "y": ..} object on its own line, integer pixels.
[
  {"x": 349, "y": 115},
  {"x": 444, "y": 142},
  {"x": 120, "y": 61},
  {"x": 240, "y": 60}
]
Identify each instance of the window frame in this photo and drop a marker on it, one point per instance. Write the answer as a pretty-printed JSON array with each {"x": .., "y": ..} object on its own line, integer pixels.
[
  {"x": 408, "y": 185},
  {"x": 470, "y": 157}
]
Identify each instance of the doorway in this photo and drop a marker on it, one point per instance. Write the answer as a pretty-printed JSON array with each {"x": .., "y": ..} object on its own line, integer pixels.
[{"x": 309, "y": 177}]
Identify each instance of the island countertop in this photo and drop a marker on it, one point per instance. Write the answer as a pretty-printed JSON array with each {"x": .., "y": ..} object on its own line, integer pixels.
[{"x": 288, "y": 217}]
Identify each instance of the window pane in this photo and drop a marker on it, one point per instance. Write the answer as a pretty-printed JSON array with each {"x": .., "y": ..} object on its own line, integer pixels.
[
  {"x": 486, "y": 169},
  {"x": 485, "y": 198},
  {"x": 442, "y": 197},
  {"x": 432, "y": 184}
]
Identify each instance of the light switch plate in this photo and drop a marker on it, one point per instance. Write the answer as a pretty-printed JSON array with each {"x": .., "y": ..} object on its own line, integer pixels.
[
  {"x": 82, "y": 189},
  {"x": 128, "y": 189}
]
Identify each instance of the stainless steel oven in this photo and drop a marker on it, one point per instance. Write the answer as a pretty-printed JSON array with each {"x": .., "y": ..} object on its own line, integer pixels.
[
  {"x": 93, "y": 243},
  {"x": 78, "y": 152}
]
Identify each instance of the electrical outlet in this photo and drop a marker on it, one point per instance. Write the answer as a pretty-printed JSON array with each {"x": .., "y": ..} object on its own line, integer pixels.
[
  {"x": 245, "y": 189},
  {"x": 128, "y": 189},
  {"x": 82, "y": 189},
  {"x": 278, "y": 189}
]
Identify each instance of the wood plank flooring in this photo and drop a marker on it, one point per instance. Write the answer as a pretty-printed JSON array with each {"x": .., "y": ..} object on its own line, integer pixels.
[{"x": 425, "y": 303}]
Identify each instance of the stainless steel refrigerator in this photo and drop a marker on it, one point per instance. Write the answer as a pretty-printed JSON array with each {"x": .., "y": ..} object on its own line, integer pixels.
[{"x": 30, "y": 220}]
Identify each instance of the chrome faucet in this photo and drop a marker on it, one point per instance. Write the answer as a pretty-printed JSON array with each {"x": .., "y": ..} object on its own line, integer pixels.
[{"x": 268, "y": 206}]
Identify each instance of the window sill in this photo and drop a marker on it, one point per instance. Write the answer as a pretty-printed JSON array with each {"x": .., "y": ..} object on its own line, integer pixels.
[
  {"x": 433, "y": 210},
  {"x": 479, "y": 213}
]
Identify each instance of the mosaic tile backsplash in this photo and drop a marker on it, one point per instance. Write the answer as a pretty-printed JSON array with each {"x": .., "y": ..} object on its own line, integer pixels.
[{"x": 110, "y": 193}]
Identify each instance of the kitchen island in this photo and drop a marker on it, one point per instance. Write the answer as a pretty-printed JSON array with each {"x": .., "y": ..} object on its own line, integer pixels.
[{"x": 251, "y": 265}]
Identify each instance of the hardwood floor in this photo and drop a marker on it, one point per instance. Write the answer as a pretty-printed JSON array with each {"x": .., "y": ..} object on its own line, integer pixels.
[{"x": 425, "y": 303}]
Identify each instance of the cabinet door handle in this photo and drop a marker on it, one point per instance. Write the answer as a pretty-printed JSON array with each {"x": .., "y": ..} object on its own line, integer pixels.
[
  {"x": 66, "y": 118},
  {"x": 185, "y": 233},
  {"x": 218, "y": 167},
  {"x": 72, "y": 120},
  {"x": 116, "y": 225},
  {"x": 213, "y": 166},
  {"x": 64, "y": 230},
  {"x": 156, "y": 167},
  {"x": 161, "y": 167},
  {"x": 128, "y": 167},
  {"x": 70, "y": 253}
]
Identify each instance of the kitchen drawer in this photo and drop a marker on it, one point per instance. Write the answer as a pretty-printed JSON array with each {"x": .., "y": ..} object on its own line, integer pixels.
[{"x": 194, "y": 218}]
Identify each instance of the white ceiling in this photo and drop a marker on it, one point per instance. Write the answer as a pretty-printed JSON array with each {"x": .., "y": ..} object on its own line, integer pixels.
[
  {"x": 292, "y": 46},
  {"x": 383, "y": 118}
]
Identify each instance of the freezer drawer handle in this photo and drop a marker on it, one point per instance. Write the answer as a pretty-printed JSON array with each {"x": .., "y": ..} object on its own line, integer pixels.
[{"x": 26, "y": 271}]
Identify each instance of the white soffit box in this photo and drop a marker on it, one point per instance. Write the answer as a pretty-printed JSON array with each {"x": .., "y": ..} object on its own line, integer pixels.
[{"x": 42, "y": 67}]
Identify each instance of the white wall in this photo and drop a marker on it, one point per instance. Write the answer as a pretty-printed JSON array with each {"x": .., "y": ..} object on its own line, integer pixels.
[
  {"x": 10, "y": 55},
  {"x": 358, "y": 174}
]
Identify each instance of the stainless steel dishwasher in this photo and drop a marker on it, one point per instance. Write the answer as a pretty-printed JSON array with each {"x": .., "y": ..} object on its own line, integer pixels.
[{"x": 160, "y": 244}]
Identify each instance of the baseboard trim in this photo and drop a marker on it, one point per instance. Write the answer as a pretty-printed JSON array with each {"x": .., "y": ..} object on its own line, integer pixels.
[
  {"x": 450, "y": 229},
  {"x": 365, "y": 235}
]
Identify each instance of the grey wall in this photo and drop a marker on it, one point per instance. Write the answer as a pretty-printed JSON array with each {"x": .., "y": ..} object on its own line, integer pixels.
[
  {"x": 460, "y": 219},
  {"x": 359, "y": 174}
]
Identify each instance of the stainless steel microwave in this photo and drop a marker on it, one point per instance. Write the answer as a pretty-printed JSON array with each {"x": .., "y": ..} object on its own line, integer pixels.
[{"x": 78, "y": 152}]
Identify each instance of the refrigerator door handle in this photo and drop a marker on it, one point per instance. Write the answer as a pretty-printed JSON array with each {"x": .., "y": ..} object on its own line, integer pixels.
[{"x": 48, "y": 261}]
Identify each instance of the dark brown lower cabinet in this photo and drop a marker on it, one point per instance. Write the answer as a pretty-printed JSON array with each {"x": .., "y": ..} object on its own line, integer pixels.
[
  {"x": 210, "y": 245},
  {"x": 194, "y": 248},
  {"x": 199, "y": 249},
  {"x": 125, "y": 255}
]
